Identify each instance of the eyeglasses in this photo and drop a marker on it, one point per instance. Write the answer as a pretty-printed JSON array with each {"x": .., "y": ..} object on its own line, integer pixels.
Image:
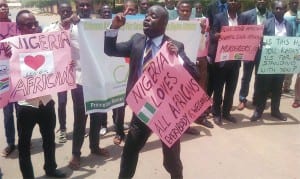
[{"x": 30, "y": 24}]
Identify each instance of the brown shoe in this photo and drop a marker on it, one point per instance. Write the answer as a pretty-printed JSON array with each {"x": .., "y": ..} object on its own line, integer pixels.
[
  {"x": 8, "y": 150},
  {"x": 241, "y": 106},
  {"x": 192, "y": 131},
  {"x": 74, "y": 163},
  {"x": 101, "y": 152}
]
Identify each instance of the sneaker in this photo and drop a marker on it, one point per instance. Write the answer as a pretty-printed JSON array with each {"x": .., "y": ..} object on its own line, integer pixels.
[
  {"x": 62, "y": 138},
  {"x": 103, "y": 131}
]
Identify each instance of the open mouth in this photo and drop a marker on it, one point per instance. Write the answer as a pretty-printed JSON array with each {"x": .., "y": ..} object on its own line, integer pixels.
[{"x": 146, "y": 25}]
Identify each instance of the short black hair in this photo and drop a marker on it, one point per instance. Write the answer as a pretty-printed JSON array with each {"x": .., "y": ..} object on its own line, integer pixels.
[
  {"x": 277, "y": 1},
  {"x": 184, "y": 2},
  {"x": 60, "y": 2},
  {"x": 25, "y": 11}
]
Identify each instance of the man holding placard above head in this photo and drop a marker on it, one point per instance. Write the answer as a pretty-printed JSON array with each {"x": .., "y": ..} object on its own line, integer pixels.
[
  {"x": 140, "y": 48},
  {"x": 272, "y": 83}
]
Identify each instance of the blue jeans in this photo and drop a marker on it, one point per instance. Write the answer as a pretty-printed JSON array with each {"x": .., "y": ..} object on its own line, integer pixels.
[{"x": 9, "y": 123}]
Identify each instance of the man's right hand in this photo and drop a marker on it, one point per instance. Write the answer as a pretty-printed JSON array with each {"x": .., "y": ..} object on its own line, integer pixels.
[{"x": 119, "y": 20}]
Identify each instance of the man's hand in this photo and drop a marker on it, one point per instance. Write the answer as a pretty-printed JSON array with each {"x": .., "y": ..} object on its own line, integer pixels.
[
  {"x": 217, "y": 36},
  {"x": 119, "y": 20},
  {"x": 172, "y": 48},
  {"x": 7, "y": 51},
  {"x": 203, "y": 25},
  {"x": 66, "y": 23}
]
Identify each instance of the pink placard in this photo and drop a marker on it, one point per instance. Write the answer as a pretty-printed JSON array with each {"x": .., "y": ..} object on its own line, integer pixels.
[
  {"x": 239, "y": 42},
  {"x": 167, "y": 98},
  {"x": 40, "y": 65},
  {"x": 8, "y": 29}
]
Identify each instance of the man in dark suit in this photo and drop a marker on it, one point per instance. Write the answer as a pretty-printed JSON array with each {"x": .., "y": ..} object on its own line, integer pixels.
[
  {"x": 154, "y": 27},
  {"x": 266, "y": 83},
  {"x": 256, "y": 16},
  {"x": 226, "y": 73},
  {"x": 213, "y": 8}
]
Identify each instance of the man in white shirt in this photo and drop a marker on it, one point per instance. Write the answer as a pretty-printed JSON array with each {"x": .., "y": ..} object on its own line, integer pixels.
[{"x": 34, "y": 111}]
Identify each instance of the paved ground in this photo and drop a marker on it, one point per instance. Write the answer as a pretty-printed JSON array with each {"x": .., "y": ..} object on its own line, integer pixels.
[{"x": 268, "y": 149}]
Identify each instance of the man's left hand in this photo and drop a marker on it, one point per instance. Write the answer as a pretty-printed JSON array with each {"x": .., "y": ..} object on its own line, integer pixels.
[{"x": 172, "y": 48}]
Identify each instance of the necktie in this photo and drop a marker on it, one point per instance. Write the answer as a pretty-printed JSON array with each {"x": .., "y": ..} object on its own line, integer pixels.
[
  {"x": 148, "y": 51},
  {"x": 223, "y": 8}
]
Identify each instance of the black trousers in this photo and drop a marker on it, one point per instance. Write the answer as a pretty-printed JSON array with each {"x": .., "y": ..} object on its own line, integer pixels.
[
  {"x": 27, "y": 118},
  {"x": 210, "y": 78},
  {"x": 269, "y": 83},
  {"x": 118, "y": 118},
  {"x": 136, "y": 139},
  {"x": 225, "y": 76},
  {"x": 80, "y": 119}
]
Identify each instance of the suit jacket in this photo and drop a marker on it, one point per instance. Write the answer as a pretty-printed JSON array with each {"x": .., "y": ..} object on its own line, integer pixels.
[
  {"x": 221, "y": 19},
  {"x": 250, "y": 17},
  {"x": 134, "y": 48},
  {"x": 212, "y": 10},
  {"x": 269, "y": 27}
]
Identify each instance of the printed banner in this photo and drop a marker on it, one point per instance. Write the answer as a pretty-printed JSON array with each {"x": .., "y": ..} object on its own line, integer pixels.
[
  {"x": 8, "y": 29},
  {"x": 167, "y": 98},
  {"x": 105, "y": 78},
  {"x": 40, "y": 65},
  {"x": 280, "y": 55},
  {"x": 239, "y": 42}
]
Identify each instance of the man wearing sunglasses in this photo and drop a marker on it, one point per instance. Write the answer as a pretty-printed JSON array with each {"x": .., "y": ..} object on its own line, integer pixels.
[{"x": 39, "y": 110}]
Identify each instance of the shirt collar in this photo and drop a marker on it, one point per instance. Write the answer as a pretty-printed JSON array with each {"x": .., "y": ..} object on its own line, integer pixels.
[
  {"x": 258, "y": 12},
  {"x": 278, "y": 23},
  {"x": 157, "y": 41}
]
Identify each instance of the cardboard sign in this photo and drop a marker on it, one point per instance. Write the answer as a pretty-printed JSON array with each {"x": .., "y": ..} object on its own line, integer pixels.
[
  {"x": 40, "y": 65},
  {"x": 239, "y": 42},
  {"x": 8, "y": 29},
  {"x": 280, "y": 55},
  {"x": 167, "y": 98},
  {"x": 104, "y": 78}
]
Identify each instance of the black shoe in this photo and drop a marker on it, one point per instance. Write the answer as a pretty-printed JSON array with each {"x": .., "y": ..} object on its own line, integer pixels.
[
  {"x": 8, "y": 150},
  {"x": 256, "y": 116},
  {"x": 192, "y": 131},
  {"x": 56, "y": 174},
  {"x": 279, "y": 116},
  {"x": 204, "y": 122},
  {"x": 230, "y": 118},
  {"x": 218, "y": 120}
]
